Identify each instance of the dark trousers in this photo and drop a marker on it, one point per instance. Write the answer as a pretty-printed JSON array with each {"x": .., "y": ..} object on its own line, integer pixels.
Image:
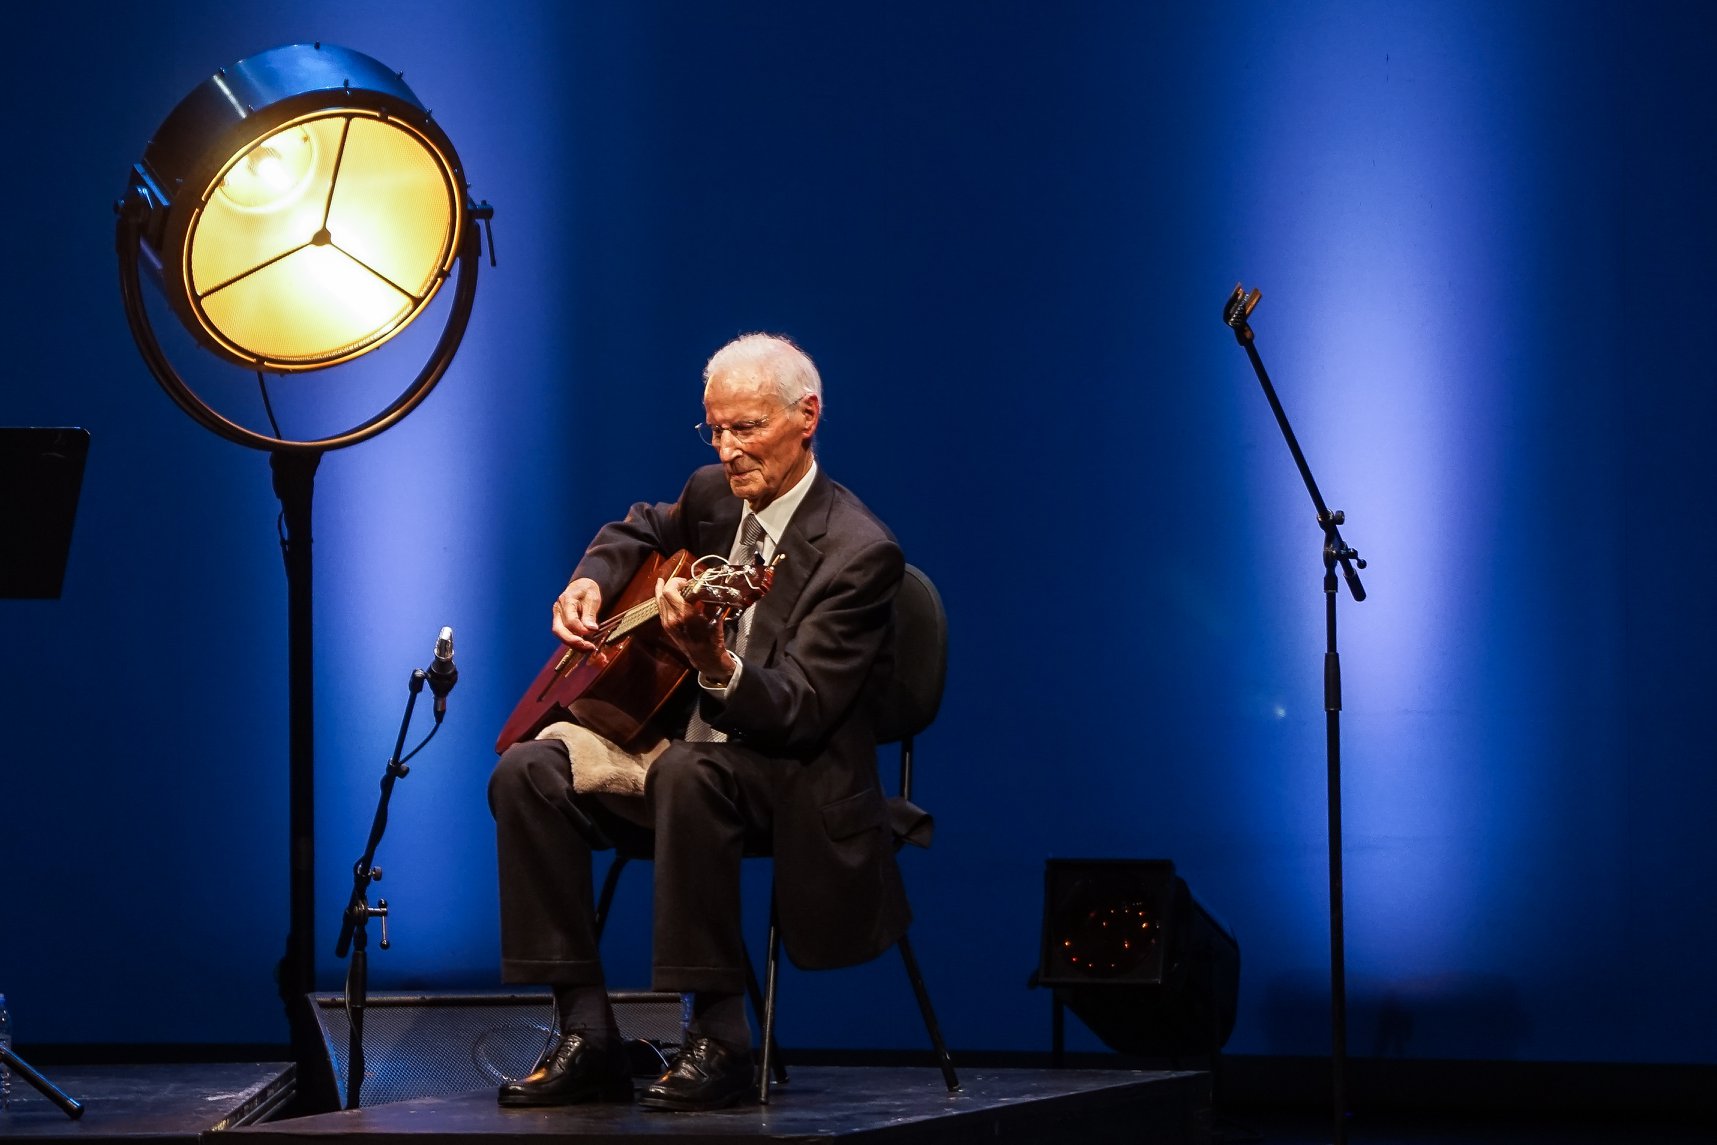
[{"x": 710, "y": 803}]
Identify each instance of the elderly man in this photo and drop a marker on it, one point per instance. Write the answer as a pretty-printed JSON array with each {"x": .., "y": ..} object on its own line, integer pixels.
[{"x": 780, "y": 752}]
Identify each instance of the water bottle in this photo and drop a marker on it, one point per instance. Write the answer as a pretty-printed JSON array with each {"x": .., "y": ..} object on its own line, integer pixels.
[{"x": 5, "y": 1040}]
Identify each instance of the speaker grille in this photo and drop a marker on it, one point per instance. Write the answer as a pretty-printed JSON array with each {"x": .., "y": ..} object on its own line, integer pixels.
[
  {"x": 1106, "y": 920},
  {"x": 1128, "y": 949},
  {"x": 418, "y": 1045}
]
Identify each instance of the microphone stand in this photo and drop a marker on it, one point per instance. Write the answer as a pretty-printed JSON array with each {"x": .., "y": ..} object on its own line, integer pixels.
[
  {"x": 1335, "y": 551},
  {"x": 355, "y": 921}
]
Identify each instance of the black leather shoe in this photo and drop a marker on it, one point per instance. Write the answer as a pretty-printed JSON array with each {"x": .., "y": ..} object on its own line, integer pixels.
[
  {"x": 575, "y": 1069},
  {"x": 703, "y": 1075}
]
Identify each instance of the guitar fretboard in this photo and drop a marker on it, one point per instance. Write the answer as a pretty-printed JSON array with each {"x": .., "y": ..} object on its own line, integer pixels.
[
  {"x": 642, "y": 613},
  {"x": 619, "y": 626}
]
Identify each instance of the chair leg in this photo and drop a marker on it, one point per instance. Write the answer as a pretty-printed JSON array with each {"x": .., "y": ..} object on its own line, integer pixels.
[
  {"x": 773, "y": 1059},
  {"x": 930, "y": 1025},
  {"x": 771, "y": 1052}
]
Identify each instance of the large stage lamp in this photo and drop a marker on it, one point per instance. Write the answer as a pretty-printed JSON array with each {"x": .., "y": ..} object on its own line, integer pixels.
[
  {"x": 298, "y": 210},
  {"x": 1128, "y": 949}
]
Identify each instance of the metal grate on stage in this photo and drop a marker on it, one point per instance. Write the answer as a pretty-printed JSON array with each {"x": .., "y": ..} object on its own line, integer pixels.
[{"x": 418, "y": 1045}]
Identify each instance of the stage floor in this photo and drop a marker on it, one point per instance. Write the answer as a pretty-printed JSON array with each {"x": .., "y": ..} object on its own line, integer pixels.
[
  {"x": 875, "y": 1105},
  {"x": 148, "y": 1103},
  {"x": 211, "y": 1103}
]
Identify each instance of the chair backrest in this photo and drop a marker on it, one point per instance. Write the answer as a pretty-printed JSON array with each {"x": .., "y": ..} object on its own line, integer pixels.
[{"x": 909, "y": 702}]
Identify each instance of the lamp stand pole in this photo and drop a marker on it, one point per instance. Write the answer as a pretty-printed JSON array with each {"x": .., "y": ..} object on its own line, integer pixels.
[{"x": 294, "y": 482}]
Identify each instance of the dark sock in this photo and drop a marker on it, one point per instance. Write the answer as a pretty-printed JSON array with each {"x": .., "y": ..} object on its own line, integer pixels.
[
  {"x": 585, "y": 1010},
  {"x": 721, "y": 1018}
]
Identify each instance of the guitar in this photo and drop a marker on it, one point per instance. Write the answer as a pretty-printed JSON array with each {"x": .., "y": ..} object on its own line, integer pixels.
[{"x": 618, "y": 689}]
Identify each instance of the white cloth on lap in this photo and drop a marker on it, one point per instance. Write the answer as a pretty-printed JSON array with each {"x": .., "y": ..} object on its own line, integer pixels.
[{"x": 599, "y": 767}]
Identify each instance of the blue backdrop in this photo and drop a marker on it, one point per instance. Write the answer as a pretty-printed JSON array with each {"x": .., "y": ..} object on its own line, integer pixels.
[{"x": 1485, "y": 240}]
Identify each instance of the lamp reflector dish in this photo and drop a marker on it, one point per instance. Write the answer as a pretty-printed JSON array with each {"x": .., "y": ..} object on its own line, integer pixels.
[
  {"x": 322, "y": 240},
  {"x": 276, "y": 169}
]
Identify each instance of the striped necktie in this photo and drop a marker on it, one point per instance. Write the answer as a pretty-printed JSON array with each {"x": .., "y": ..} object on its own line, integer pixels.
[{"x": 745, "y": 549}]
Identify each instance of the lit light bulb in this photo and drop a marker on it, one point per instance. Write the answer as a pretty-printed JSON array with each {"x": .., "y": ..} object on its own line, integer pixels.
[{"x": 272, "y": 172}]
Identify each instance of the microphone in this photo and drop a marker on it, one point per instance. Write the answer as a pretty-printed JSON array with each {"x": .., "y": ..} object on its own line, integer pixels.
[
  {"x": 1240, "y": 305},
  {"x": 442, "y": 674}
]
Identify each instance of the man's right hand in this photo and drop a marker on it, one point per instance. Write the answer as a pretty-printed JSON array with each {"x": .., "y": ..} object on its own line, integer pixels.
[{"x": 575, "y": 613}]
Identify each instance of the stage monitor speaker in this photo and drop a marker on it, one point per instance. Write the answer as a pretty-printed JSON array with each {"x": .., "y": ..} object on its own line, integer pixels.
[
  {"x": 1128, "y": 950},
  {"x": 436, "y": 1045}
]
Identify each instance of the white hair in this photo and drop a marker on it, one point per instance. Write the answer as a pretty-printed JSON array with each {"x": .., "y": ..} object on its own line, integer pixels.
[{"x": 772, "y": 357}]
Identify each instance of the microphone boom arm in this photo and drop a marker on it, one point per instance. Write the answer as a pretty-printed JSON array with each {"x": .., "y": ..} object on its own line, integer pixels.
[{"x": 1235, "y": 312}]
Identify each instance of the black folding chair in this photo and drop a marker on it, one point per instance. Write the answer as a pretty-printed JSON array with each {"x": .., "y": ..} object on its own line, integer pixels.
[{"x": 906, "y": 707}]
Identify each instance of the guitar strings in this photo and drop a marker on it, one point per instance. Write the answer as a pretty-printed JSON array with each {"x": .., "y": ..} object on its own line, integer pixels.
[{"x": 623, "y": 623}]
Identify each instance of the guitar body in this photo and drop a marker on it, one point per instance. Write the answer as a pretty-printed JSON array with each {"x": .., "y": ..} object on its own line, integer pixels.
[{"x": 617, "y": 690}]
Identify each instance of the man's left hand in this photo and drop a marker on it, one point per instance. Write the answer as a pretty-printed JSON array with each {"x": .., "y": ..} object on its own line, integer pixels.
[{"x": 696, "y": 629}]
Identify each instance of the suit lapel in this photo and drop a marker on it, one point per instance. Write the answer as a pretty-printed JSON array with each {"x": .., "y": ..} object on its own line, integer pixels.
[
  {"x": 800, "y": 547},
  {"x": 716, "y": 534}
]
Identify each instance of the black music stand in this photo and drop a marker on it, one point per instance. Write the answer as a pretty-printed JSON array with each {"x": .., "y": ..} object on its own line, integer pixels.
[{"x": 41, "y": 473}]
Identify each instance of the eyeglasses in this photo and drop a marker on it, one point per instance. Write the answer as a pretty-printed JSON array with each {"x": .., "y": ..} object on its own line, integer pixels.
[{"x": 742, "y": 432}]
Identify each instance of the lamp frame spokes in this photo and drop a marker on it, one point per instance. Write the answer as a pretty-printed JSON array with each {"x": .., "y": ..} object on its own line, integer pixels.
[{"x": 173, "y": 382}]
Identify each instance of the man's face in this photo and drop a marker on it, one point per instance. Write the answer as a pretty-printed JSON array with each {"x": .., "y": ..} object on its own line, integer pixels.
[{"x": 775, "y": 453}]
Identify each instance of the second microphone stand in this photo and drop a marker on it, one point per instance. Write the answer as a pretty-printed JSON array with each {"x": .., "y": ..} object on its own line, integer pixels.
[
  {"x": 354, "y": 924},
  {"x": 1335, "y": 552}
]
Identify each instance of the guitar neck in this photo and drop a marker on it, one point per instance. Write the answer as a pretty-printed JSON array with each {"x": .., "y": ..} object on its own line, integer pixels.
[{"x": 641, "y": 613}]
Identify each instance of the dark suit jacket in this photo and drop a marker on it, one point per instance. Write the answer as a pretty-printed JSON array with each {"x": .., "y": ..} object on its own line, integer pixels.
[{"x": 819, "y": 645}]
